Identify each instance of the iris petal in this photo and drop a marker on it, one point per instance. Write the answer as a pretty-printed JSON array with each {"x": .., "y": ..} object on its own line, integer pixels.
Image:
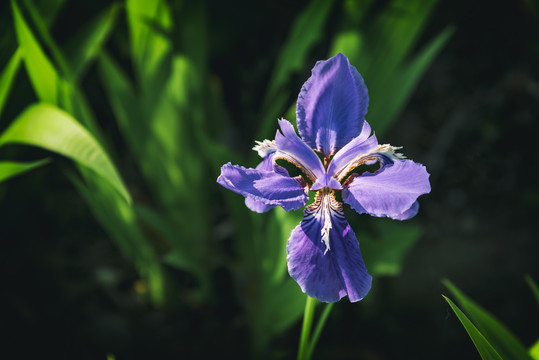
[
  {"x": 291, "y": 148},
  {"x": 346, "y": 158},
  {"x": 259, "y": 206},
  {"x": 408, "y": 214},
  {"x": 331, "y": 105},
  {"x": 268, "y": 187},
  {"x": 391, "y": 191},
  {"x": 322, "y": 273}
]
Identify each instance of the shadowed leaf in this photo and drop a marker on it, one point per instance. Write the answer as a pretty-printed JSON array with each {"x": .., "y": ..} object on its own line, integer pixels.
[{"x": 482, "y": 345}]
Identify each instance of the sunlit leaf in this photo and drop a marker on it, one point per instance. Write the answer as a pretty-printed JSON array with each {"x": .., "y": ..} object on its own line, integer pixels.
[
  {"x": 10, "y": 169},
  {"x": 148, "y": 46},
  {"x": 534, "y": 351},
  {"x": 7, "y": 76},
  {"x": 42, "y": 73},
  {"x": 482, "y": 345},
  {"x": 506, "y": 344},
  {"x": 46, "y": 126}
]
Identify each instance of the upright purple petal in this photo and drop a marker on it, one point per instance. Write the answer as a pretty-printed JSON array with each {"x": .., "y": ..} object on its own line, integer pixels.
[
  {"x": 332, "y": 105},
  {"x": 390, "y": 191},
  {"x": 327, "y": 271},
  {"x": 265, "y": 186},
  {"x": 291, "y": 148},
  {"x": 347, "y": 158}
]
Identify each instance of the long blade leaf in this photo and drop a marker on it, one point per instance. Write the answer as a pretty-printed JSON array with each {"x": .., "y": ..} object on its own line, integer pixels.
[
  {"x": 482, "y": 345},
  {"x": 48, "y": 127},
  {"x": 7, "y": 76},
  {"x": 10, "y": 169},
  {"x": 507, "y": 345},
  {"x": 42, "y": 73}
]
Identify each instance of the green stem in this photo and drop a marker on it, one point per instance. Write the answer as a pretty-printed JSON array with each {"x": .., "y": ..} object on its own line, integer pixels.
[
  {"x": 318, "y": 329},
  {"x": 303, "y": 352}
]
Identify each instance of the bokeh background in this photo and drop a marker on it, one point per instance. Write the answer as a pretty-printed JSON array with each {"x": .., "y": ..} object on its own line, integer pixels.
[{"x": 70, "y": 291}]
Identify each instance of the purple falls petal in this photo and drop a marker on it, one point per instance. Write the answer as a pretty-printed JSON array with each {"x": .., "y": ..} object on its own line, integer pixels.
[
  {"x": 390, "y": 191},
  {"x": 331, "y": 105},
  {"x": 346, "y": 159},
  {"x": 408, "y": 214},
  {"x": 259, "y": 206},
  {"x": 322, "y": 273},
  {"x": 291, "y": 148},
  {"x": 265, "y": 186}
]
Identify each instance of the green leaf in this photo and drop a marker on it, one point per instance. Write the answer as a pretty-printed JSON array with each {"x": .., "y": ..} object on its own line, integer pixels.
[
  {"x": 119, "y": 220},
  {"x": 86, "y": 44},
  {"x": 534, "y": 351},
  {"x": 148, "y": 46},
  {"x": 534, "y": 287},
  {"x": 506, "y": 344},
  {"x": 482, "y": 345},
  {"x": 384, "y": 253},
  {"x": 10, "y": 169},
  {"x": 404, "y": 80},
  {"x": 42, "y": 73},
  {"x": 46, "y": 126},
  {"x": 7, "y": 76}
]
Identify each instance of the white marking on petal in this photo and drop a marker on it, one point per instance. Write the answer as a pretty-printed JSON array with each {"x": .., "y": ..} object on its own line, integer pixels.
[
  {"x": 265, "y": 147},
  {"x": 390, "y": 151},
  {"x": 324, "y": 207}
]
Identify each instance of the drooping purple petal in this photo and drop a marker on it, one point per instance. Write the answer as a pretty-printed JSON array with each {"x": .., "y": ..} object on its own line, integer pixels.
[
  {"x": 347, "y": 157},
  {"x": 293, "y": 149},
  {"x": 390, "y": 191},
  {"x": 408, "y": 214},
  {"x": 331, "y": 105},
  {"x": 327, "y": 272},
  {"x": 259, "y": 206},
  {"x": 268, "y": 187}
]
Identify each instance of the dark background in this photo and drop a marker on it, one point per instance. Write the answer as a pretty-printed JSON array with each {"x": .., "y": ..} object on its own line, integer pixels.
[{"x": 473, "y": 121}]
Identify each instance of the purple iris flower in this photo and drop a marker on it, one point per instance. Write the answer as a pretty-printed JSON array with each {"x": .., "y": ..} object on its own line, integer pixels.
[{"x": 322, "y": 252}]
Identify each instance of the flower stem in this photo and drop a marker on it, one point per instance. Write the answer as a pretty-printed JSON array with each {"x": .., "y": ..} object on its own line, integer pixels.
[
  {"x": 303, "y": 352},
  {"x": 318, "y": 329}
]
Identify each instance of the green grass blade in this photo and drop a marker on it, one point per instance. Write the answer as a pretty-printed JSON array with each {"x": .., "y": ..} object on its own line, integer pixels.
[
  {"x": 42, "y": 73},
  {"x": 86, "y": 44},
  {"x": 534, "y": 287},
  {"x": 10, "y": 169},
  {"x": 7, "y": 77},
  {"x": 46, "y": 126},
  {"x": 507, "y": 345},
  {"x": 482, "y": 345},
  {"x": 42, "y": 28}
]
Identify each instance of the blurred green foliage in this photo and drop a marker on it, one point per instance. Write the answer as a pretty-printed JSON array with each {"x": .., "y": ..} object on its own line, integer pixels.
[{"x": 170, "y": 112}]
